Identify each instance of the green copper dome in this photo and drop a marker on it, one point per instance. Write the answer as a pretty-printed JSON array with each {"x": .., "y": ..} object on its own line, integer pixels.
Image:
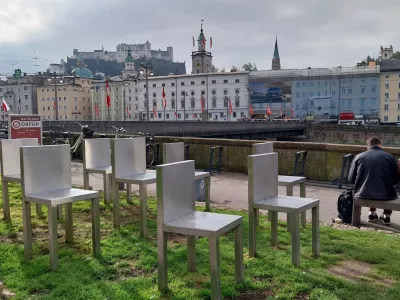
[
  {"x": 82, "y": 72},
  {"x": 129, "y": 57}
]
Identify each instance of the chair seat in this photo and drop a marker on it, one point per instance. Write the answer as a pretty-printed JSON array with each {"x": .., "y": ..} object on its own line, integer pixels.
[
  {"x": 145, "y": 178},
  {"x": 12, "y": 178},
  {"x": 290, "y": 180},
  {"x": 382, "y": 204},
  {"x": 201, "y": 175},
  {"x": 286, "y": 204},
  {"x": 62, "y": 196},
  {"x": 203, "y": 224},
  {"x": 100, "y": 170}
]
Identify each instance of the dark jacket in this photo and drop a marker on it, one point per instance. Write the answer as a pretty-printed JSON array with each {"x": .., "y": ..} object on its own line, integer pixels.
[{"x": 374, "y": 174}]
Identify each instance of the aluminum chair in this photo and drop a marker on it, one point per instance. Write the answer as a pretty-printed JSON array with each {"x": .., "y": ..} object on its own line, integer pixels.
[
  {"x": 175, "y": 152},
  {"x": 46, "y": 179},
  {"x": 176, "y": 213},
  {"x": 10, "y": 169},
  {"x": 97, "y": 160},
  {"x": 263, "y": 194},
  {"x": 128, "y": 160}
]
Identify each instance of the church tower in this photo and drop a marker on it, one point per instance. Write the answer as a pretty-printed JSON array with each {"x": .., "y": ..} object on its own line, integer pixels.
[
  {"x": 276, "y": 61},
  {"x": 201, "y": 59},
  {"x": 129, "y": 66}
]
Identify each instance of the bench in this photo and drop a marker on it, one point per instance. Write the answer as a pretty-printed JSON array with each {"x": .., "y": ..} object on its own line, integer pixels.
[
  {"x": 128, "y": 161},
  {"x": 175, "y": 152},
  {"x": 263, "y": 194},
  {"x": 176, "y": 214},
  {"x": 10, "y": 169},
  {"x": 46, "y": 179},
  {"x": 97, "y": 160},
  {"x": 358, "y": 203}
]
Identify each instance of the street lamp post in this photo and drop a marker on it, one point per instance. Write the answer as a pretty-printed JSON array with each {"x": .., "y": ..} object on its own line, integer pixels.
[
  {"x": 145, "y": 68},
  {"x": 184, "y": 94}
]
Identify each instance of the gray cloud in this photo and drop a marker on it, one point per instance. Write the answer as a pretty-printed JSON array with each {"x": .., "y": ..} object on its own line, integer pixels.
[{"x": 310, "y": 32}]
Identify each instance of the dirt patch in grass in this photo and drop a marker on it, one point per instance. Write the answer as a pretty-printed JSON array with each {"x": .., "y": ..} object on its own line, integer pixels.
[
  {"x": 254, "y": 295},
  {"x": 302, "y": 296},
  {"x": 355, "y": 271},
  {"x": 174, "y": 238}
]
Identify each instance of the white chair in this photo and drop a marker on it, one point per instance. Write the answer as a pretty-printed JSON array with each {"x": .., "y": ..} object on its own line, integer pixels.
[
  {"x": 97, "y": 160},
  {"x": 10, "y": 169},
  {"x": 46, "y": 179},
  {"x": 175, "y": 152},
  {"x": 176, "y": 213},
  {"x": 128, "y": 160},
  {"x": 263, "y": 194},
  {"x": 287, "y": 181}
]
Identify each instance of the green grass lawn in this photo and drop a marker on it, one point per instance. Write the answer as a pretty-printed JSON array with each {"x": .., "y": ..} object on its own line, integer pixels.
[{"x": 128, "y": 266}]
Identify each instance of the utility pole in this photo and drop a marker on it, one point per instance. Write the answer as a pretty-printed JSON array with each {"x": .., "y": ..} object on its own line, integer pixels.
[
  {"x": 55, "y": 94},
  {"x": 146, "y": 70},
  {"x": 124, "y": 103},
  {"x": 184, "y": 94}
]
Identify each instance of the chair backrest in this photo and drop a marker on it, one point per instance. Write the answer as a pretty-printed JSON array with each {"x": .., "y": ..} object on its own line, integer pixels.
[
  {"x": 128, "y": 156},
  {"x": 263, "y": 176},
  {"x": 45, "y": 168},
  {"x": 175, "y": 191},
  {"x": 10, "y": 157},
  {"x": 173, "y": 152},
  {"x": 97, "y": 153},
  {"x": 262, "y": 148}
]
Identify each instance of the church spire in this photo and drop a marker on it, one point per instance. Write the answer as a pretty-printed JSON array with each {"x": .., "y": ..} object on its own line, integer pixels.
[
  {"x": 202, "y": 39},
  {"x": 276, "y": 61}
]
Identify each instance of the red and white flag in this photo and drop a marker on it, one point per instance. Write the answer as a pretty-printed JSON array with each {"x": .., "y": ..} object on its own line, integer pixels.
[
  {"x": 251, "y": 109},
  {"x": 154, "y": 113},
  {"x": 108, "y": 100},
  {"x": 268, "y": 110},
  {"x": 230, "y": 106},
  {"x": 127, "y": 111},
  {"x": 164, "y": 99},
  {"x": 176, "y": 115},
  {"x": 202, "y": 104},
  {"x": 96, "y": 108},
  {"x": 4, "y": 105}
]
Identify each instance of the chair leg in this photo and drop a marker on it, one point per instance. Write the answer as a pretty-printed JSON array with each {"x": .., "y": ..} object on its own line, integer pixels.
[
  {"x": 85, "y": 180},
  {"x": 356, "y": 216},
  {"x": 96, "y": 227},
  {"x": 257, "y": 217},
  {"x": 269, "y": 216},
  {"x": 239, "y": 270},
  {"x": 53, "y": 238},
  {"x": 304, "y": 213},
  {"x": 106, "y": 188},
  {"x": 68, "y": 223},
  {"x": 59, "y": 212},
  {"x": 162, "y": 259},
  {"x": 116, "y": 208},
  {"x": 252, "y": 231},
  {"x": 274, "y": 228},
  {"x": 295, "y": 239},
  {"x": 143, "y": 210},
  {"x": 129, "y": 193},
  {"x": 289, "y": 192},
  {"x": 215, "y": 269},
  {"x": 109, "y": 189},
  {"x": 39, "y": 210},
  {"x": 27, "y": 228},
  {"x": 6, "y": 201},
  {"x": 191, "y": 246},
  {"x": 315, "y": 231},
  {"x": 207, "y": 192}
]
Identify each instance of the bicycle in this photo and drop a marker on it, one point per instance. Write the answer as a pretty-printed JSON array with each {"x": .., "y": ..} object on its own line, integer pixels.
[
  {"x": 87, "y": 133},
  {"x": 150, "y": 150},
  {"x": 118, "y": 131}
]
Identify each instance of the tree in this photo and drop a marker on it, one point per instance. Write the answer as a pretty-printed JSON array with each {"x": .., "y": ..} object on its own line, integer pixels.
[
  {"x": 396, "y": 55},
  {"x": 365, "y": 62},
  {"x": 234, "y": 69},
  {"x": 214, "y": 69},
  {"x": 249, "y": 67},
  {"x": 222, "y": 70}
]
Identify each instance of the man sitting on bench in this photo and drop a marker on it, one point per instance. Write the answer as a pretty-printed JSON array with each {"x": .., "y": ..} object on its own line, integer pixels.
[{"x": 374, "y": 174}]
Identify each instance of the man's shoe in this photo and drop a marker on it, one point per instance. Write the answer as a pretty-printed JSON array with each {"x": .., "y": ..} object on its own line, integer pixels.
[
  {"x": 385, "y": 219},
  {"x": 372, "y": 217}
]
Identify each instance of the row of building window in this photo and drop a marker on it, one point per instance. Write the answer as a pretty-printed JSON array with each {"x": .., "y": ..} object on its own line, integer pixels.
[
  {"x": 65, "y": 108},
  {"x": 387, "y": 76},
  {"x": 66, "y": 117},
  {"x": 10, "y": 89},
  {"x": 65, "y": 99},
  {"x": 387, "y": 96},
  {"x": 386, "y": 107},
  {"x": 10, "y": 98},
  {"x": 26, "y": 106},
  {"x": 195, "y": 115},
  {"x": 387, "y": 85},
  {"x": 333, "y": 93},
  {"x": 193, "y": 93},
  {"x": 194, "y": 83}
]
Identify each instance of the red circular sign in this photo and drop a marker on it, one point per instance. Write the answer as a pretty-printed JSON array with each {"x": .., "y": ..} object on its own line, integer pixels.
[{"x": 16, "y": 124}]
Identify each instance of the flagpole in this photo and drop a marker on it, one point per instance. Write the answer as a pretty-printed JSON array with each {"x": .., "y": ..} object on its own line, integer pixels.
[{"x": 165, "y": 131}]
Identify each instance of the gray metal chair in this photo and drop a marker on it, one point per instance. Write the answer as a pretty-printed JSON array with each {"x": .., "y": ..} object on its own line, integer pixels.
[
  {"x": 128, "y": 160},
  {"x": 176, "y": 213},
  {"x": 175, "y": 152},
  {"x": 46, "y": 179},
  {"x": 97, "y": 160},
  {"x": 10, "y": 169},
  {"x": 287, "y": 181},
  {"x": 263, "y": 194}
]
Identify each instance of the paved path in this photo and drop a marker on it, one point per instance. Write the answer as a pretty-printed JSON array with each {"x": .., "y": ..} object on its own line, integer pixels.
[{"x": 230, "y": 190}]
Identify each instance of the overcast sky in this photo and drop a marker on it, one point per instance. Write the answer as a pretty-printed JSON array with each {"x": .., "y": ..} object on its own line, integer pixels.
[{"x": 316, "y": 33}]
